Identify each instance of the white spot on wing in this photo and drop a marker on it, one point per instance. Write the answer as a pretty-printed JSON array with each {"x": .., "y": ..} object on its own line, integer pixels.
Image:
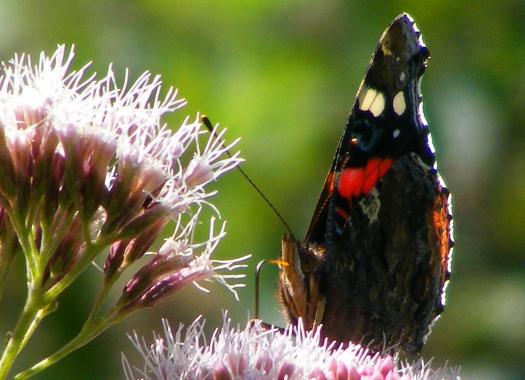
[
  {"x": 396, "y": 133},
  {"x": 399, "y": 103},
  {"x": 373, "y": 101},
  {"x": 378, "y": 105},
  {"x": 368, "y": 99}
]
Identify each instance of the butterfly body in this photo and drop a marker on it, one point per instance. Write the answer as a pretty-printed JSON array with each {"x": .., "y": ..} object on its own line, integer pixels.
[{"x": 375, "y": 261}]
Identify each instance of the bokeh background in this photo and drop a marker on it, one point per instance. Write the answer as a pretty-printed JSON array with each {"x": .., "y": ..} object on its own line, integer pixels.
[{"x": 282, "y": 75}]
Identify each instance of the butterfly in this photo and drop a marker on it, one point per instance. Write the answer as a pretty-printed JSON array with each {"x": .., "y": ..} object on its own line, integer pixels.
[{"x": 375, "y": 262}]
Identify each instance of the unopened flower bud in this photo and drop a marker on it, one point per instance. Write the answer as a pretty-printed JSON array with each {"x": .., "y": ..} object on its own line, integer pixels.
[
  {"x": 7, "y": 170},
  {"x": 66, "y": 254},
  {"x": 125, "y": 252},
  {"x": 150, "y": 218},
  {"x": 143, "y": 289},
  {"x": 115, "y": 258}
]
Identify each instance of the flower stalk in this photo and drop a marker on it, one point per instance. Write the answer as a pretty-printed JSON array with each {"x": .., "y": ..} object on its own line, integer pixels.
[{"x": 89, "y": 173}]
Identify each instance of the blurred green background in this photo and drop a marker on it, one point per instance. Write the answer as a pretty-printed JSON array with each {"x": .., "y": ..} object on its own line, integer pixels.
[{"x": 282, "y": 75}]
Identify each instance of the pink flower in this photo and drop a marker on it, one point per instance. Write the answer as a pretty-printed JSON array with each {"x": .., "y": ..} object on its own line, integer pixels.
[
  {"x": 89, "y": 165},
  {"x": 87, "y": 169},
  {"x": 257, "y": 353}
]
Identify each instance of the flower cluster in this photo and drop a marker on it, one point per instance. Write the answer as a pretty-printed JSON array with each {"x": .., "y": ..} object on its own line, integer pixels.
[
  {"x": 87, "y": 169},
  {"x": 88, "y": 165},
  {"x": 258, "y": 353}
]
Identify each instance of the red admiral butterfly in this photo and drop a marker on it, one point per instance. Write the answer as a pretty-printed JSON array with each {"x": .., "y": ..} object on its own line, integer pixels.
[{"x": 374, "y": 265}]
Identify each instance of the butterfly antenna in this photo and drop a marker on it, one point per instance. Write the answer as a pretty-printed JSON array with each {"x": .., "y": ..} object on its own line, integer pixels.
[{"x": 209, "y": 126}]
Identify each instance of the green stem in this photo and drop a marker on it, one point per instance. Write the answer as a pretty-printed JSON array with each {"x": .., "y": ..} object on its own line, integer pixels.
[
  {"x": 27, "y": 323},
  {"x": 90, "y": 331},
  {"x": 6, "y": 259},
  {"x": 30, "y": 252},
  {"x": 98, "y": 302},
  {"x": 51, "y": 242},
  {"x": 92, "y": 250},
  {"x": 68, "y": 279}
]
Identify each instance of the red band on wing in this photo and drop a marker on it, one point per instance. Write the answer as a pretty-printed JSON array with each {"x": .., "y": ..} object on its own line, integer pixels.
[
  {"x": 350, "y": 182},
  {"x": 371, "y": 175},
  {"x": 356, "y": 181}
]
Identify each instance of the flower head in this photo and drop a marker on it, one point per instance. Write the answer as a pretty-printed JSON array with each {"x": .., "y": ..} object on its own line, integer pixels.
[
  {"x": 88, "y": 165},
  {"x": 258, "y": 353},
  {"x": 88, "y": 169}
]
